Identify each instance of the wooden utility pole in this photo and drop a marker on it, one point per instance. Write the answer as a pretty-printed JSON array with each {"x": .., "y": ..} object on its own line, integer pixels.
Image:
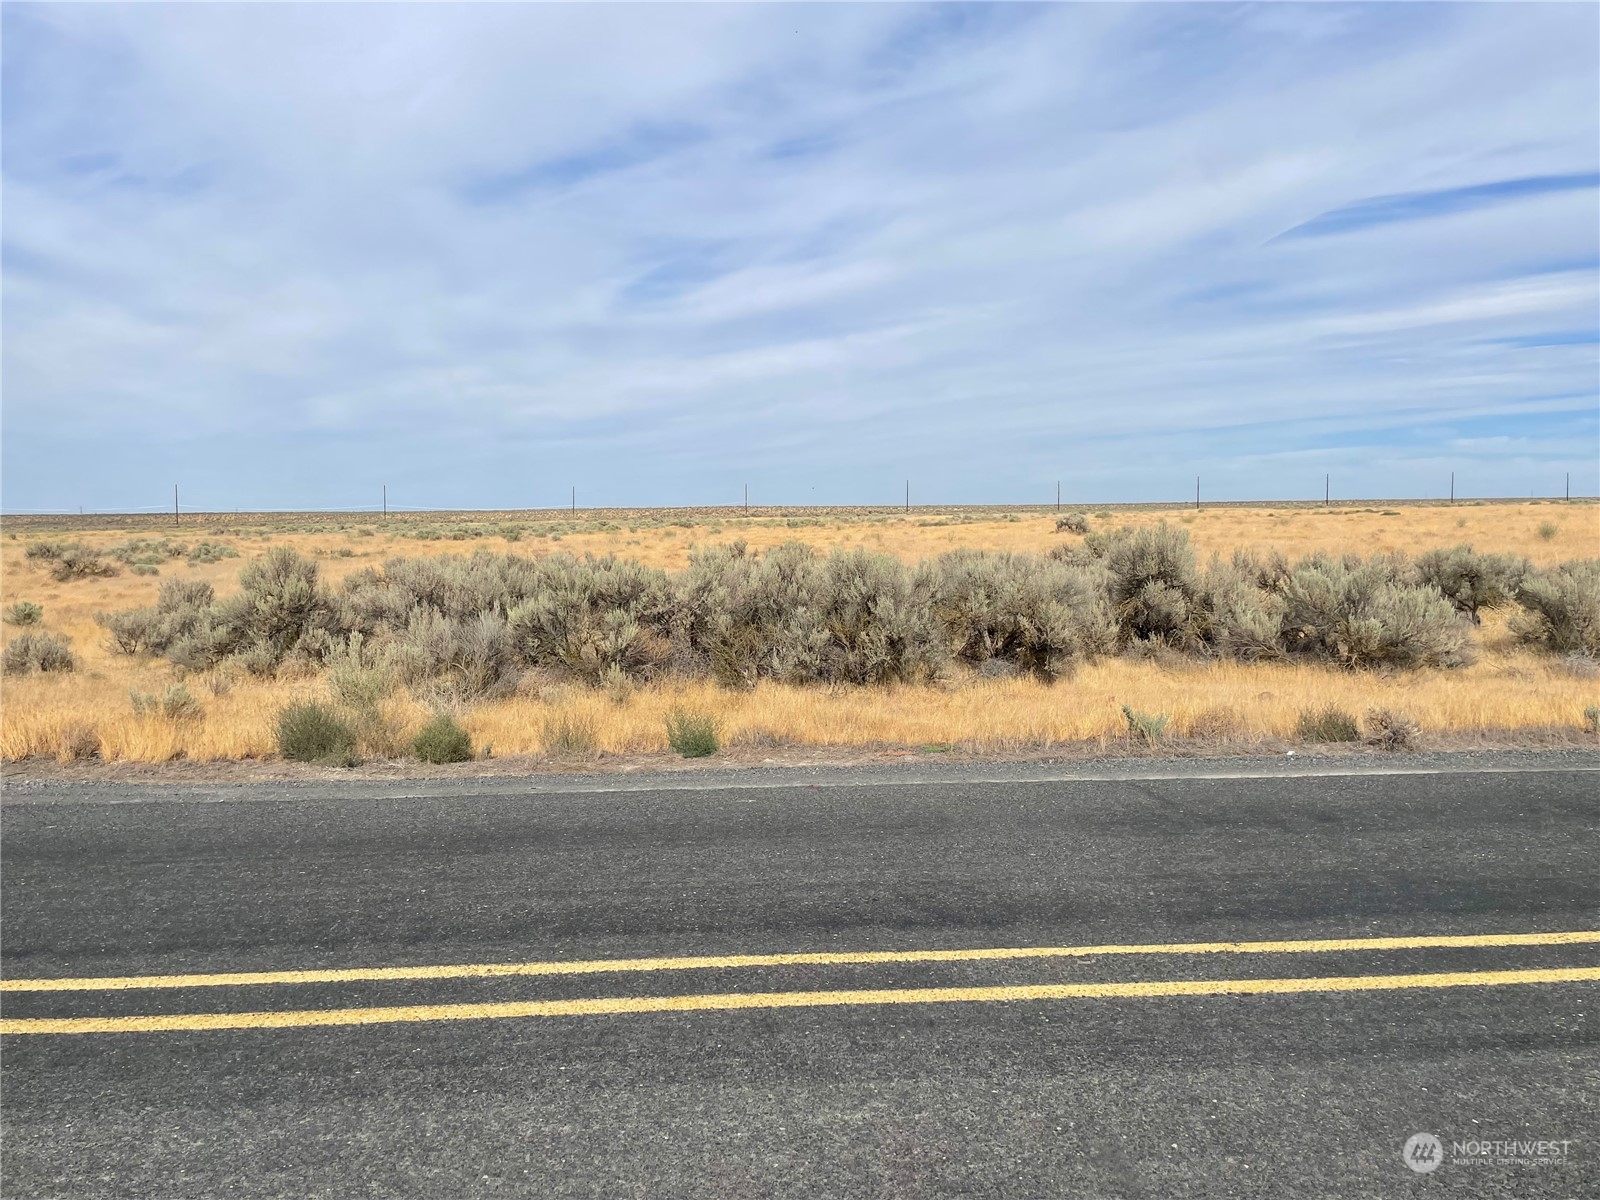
[
  {"x": 174, "y": 504},
  {"x": 908, "y": 495},
  {"x": 1197, "y": 493},
  {"x": 1327, "y": 489},
  {"x": 747, "y": 499},
  {"x": 1058, "y": 495},
  {"x": 574, "y": 499}
]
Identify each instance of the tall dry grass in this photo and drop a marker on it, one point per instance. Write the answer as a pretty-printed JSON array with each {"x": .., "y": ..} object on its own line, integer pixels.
[{"x": 1508, "y": 688}]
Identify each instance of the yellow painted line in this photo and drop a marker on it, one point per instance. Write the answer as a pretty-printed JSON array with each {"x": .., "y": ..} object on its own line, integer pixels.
[
  {"x": 113, "y": 983},
  {"x": 717, "y": 1003}
]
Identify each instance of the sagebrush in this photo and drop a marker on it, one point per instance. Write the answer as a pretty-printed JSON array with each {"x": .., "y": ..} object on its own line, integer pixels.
[{"x": 457, "y": 629}]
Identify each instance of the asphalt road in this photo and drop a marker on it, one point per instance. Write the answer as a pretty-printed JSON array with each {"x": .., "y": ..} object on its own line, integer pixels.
[{"x": 1117, "y": 1093}]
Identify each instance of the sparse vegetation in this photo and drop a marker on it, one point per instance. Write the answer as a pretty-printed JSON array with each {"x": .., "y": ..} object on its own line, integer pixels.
[
  {"x": 1075, "y": 522},
  {"x": 1548, "y": 530},
  {"x": 975, "y": 670}
]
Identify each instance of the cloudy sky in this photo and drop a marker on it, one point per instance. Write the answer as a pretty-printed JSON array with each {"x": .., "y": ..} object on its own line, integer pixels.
[{"x": 284, "y": 255}]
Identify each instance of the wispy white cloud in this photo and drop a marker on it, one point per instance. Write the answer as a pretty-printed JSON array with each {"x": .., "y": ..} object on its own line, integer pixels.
[{"x": 286, "y": 252}]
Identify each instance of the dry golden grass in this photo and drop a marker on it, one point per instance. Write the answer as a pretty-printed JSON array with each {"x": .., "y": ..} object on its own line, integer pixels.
[{"x": 1508, "y": 688}]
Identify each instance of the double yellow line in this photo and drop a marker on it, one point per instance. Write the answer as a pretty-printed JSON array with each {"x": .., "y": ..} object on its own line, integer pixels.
[{"x": 745, "y": 1000}]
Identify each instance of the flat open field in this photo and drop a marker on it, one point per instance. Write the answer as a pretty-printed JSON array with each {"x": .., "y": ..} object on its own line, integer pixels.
[{"x": 1509, "y": 688}]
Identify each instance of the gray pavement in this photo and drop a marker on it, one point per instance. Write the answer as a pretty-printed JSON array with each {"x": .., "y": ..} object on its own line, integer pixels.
[{"x": 1309, "y": 1094}]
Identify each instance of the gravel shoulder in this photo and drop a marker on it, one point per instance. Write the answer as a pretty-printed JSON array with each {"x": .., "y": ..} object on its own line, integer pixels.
[{"x": 202, "y": 782}]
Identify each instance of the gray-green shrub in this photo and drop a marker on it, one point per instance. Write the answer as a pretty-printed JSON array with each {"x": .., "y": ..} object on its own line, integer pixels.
[
  {"x": 791, "y": 615},
  {"x": 24, "y": 612},
  {"x": 1561, "y": 608},
  {"x": 1367, "y": 613},
  {"x": 1038, "y": 615},
  {"x": 593, "y": 616},
  {"x": 176, "y": 704},
  {"x": 1472, "y": 581},
  {"x": 1149, "y": 728},
  {"x": 37, "y": 651},
  {"x": 79, "y": 562},
  {"x": 1154, "y": 584}
]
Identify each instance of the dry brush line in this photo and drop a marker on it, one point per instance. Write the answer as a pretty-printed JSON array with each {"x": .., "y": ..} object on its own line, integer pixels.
[{"x": 622, "y": 625}]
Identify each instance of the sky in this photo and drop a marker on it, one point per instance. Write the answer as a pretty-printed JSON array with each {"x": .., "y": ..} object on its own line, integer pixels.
[{"x": 287, "y": 255}]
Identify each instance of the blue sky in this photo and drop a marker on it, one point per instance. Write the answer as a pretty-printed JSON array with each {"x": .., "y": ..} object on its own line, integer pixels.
[{"x": 285, "y": 254}]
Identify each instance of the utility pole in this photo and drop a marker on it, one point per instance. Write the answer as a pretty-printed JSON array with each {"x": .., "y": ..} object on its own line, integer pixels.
[
  {"x": 174, "y": 504},
  {"x": 386, "y": 502},
  {"x": 1327, "y": 489},
  {"x": 574, "y": 499},
  {"x": 1452, "y": 487},
  {"x": 747, "y": 499},
  {"x": 1197, "y": 493},
  {"x": 908, "y": 495},
  {"x": 1058, "y": 495}
]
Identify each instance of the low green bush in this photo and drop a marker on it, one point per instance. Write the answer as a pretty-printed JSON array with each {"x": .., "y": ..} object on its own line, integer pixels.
[
  {"x": 314, "y": 733},
  {"x": 442, "y": 740},
  {"x": 1330, "y": 723},
  {"x": 692, "y": 734}
]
